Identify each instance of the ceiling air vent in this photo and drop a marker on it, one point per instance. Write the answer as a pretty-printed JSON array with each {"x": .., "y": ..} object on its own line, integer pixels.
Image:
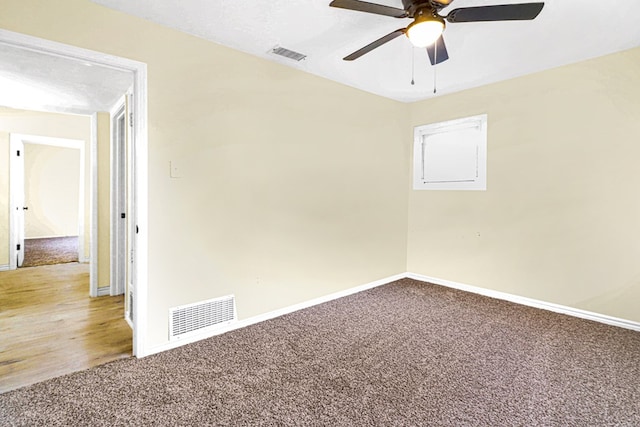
[{"x": 288, "y": 53}]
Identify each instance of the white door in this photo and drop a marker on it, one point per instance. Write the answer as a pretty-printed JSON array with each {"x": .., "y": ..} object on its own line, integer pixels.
[
  {"x": 16, "y": 203},
  {"x": 119, "y": 207},
  {"x": 123, "y": 204},
  {"x": 132, "y": 229}
]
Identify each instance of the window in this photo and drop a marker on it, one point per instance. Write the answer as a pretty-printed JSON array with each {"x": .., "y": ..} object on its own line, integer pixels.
[{"x": 451, "y": 155}]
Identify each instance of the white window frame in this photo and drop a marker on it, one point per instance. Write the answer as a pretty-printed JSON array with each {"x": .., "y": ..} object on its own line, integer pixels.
[{"x": 469, "y": 179}]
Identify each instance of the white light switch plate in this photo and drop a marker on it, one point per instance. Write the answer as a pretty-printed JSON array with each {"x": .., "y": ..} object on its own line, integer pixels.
[{"x": 175, "y": 170}]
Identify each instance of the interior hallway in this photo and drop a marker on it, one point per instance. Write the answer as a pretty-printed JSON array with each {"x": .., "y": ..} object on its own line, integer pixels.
[{"x": 51, "y": 327}]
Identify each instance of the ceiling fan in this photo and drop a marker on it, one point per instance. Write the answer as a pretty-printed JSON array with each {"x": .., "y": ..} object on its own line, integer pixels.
[{"x": 426, "y": 29}]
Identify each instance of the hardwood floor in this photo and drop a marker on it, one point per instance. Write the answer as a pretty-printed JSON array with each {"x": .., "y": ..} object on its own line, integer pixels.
[{"x": 50, "y": 326}]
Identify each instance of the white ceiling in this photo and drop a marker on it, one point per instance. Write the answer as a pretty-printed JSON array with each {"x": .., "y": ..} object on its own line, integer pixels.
[
  {"x": 32, "y": 80},
  {"x": 566, "y": 31}
]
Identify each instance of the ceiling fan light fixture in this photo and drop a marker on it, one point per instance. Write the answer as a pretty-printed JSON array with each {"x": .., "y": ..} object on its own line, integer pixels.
[{"x": 425, "y": 30}]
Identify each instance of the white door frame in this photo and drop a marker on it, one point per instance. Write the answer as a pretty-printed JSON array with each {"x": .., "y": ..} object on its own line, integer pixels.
[
  {"x": 140, "y": 158},
  {"x": 16, "y": 191},
  {"x": 118, "y": 192}
]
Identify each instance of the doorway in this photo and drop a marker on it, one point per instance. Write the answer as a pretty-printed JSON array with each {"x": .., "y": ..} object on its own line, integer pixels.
[
  {"x": 138, "y": 162},
  {"x": 47, "y": 203}
]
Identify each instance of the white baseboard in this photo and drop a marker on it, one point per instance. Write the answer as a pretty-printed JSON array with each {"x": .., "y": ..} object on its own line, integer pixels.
[
  {"x": 5, "y": 267},
  {"x": 48, "y": 237},
  {"x": 583, "y": 314},
  {"x": 104, "y": 291},
  {"x": 557, "y": 308},
  {"x": 272, "y": 314}
]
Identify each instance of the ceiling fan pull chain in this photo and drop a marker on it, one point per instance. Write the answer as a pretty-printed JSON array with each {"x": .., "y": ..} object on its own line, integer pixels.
[
  {"x": 435, "y": 65},
  {"x": 413, "y": 64},
  {"x": 434, "y": 80}
]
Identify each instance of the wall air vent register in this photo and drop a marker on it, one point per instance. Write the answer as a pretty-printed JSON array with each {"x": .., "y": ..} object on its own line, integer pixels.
[{"x": 192, "y": 319}]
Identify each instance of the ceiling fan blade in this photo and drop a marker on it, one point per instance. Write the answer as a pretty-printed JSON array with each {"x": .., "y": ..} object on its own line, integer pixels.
[
  {"x": 505, "y": 12},
  {"x": 363, "y": 6},
  {"x": 368, "y": 48},
  {"x": 437, "y": 52}
]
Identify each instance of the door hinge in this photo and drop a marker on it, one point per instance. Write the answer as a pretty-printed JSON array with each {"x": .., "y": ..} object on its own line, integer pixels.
[
  {"x": 131, "y": 119},
  {"x": 122, "y": 215},
  {"x": 18, "y": 153},
  {"x": 18, "y": 247}
]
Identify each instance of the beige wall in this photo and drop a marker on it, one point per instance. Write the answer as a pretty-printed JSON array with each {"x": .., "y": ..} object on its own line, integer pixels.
[
  {"x": 560, "y": 221},
  {"x": 52, "y": 191},
  {"x": 294, "y": 186},
  {"x": 104, "y": 197}
]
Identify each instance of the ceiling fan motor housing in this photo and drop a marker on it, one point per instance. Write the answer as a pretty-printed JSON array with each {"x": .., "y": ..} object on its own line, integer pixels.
[{"x": 417, "y": 7}]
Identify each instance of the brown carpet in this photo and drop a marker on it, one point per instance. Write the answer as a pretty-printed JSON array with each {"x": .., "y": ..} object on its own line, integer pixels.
[
  {"x": 48, "y": 251},
  {"x": 404, "y": 354}
]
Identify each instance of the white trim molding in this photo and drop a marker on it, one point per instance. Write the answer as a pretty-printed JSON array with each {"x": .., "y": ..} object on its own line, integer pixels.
[
  {"x": 273, "y": 314},
  {"x": 5, "y": 267},
  {"x": 93, "y": 218},
  {"x": 556, "y": 308}
]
